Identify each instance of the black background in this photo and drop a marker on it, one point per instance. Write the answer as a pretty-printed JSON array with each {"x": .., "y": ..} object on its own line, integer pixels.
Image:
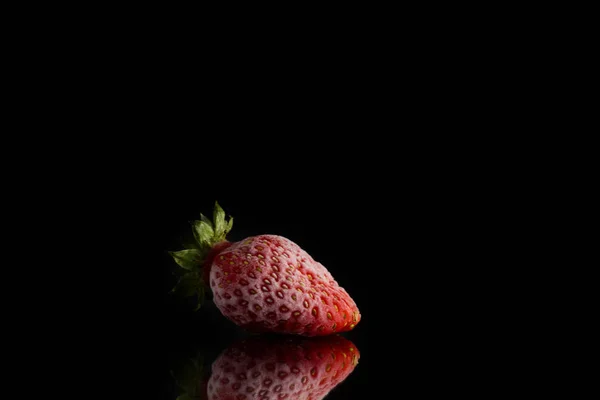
[
  {"x": 402, "y": 234},
  {"x": 404, "y": 246},
  {"x": 413, "y": 236},
  {"x": 414, "y": 229},
  {"x": 372, "y": 171}
]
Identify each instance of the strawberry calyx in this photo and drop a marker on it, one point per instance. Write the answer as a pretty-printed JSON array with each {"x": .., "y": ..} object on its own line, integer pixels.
[{"x": 196, "y": 258}]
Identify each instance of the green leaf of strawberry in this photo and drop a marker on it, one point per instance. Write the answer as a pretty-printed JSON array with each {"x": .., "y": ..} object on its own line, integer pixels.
[
  {"x": 219, "y": 219},
  {"x": 190, "y": 284},
  {"x": 221, "y": 226},
  {"x": 187, "y": 259},
  {"x": 203, "y": 233}
]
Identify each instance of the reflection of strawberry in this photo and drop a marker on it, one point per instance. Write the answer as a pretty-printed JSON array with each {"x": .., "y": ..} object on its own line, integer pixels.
[
  {"x": 282, "y": 368},
  {"x": 265, "y": 282},
  {"x": 191, "y": 379}
]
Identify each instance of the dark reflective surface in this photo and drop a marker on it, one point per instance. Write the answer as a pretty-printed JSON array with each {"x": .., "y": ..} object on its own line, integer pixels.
[{"x": 270, "y": 367}]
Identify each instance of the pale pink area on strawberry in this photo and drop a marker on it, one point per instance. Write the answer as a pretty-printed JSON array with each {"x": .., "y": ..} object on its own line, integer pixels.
[
  {"x": 216, "y": 249},
  {"x": 268, "y": 283}
]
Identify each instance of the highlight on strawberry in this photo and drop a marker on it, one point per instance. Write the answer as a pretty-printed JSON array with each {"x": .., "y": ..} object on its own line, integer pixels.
[
  {"x": 283, "y": 367},
  {"x": 264, "y": 283}
]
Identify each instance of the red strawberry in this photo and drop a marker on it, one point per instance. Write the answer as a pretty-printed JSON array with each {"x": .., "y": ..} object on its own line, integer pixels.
[
  {"x": 282, "y": 368},
  {"x": 265, "y": 282}
]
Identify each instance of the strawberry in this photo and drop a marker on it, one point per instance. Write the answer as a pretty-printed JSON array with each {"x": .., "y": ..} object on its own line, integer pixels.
[
  {"x": 264, "y": 283},
  {"x": 282, "y": 368}
]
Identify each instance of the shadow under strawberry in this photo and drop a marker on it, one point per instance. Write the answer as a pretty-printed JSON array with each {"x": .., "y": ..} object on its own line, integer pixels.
[{"x": 273, "y": 367}]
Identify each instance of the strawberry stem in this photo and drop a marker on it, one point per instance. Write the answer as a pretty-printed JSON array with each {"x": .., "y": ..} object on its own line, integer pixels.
[{"x": 207, "y": 234}]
